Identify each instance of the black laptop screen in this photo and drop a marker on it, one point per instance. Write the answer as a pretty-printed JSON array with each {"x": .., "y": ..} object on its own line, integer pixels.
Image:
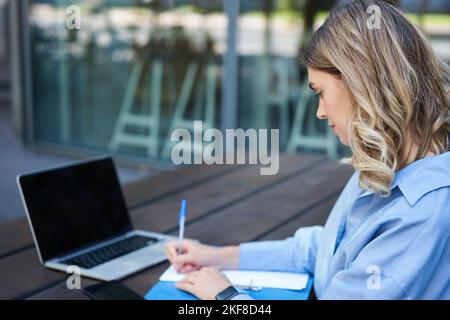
[{"x": 75, "y": 206}]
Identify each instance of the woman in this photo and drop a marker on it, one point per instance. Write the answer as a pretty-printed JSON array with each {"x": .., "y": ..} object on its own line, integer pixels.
[{"x": 384, "y": 93}]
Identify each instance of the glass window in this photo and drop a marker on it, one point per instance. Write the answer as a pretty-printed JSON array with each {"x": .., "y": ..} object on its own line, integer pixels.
[
  {"x": 118, "y": 76},
  {"x": 271, "y": 37}
]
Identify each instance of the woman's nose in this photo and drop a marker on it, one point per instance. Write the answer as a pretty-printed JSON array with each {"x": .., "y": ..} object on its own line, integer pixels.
[{"x": 321, "y": 115}]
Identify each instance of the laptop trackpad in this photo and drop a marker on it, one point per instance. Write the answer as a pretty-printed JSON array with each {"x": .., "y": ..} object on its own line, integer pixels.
[{"x": 137, "y": 259}]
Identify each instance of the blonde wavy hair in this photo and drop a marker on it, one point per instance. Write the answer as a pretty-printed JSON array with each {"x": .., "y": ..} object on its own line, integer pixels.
[{"x": 397, "y": 85}]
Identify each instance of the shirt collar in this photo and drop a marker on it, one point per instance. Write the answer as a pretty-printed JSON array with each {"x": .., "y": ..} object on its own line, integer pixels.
[{"x": 421, "y": 176}]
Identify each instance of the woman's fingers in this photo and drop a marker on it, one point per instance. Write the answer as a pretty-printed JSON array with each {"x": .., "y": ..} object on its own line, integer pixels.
[
  {"x": 185, "y": 269},
  {"x": 188, "y": 268},
  {"x": 173, "y": 247},
  {"x": 184, "y": 262},
  {"x": 185, "y": 286},
  {"x": 168, "y": 253},
  {"x": 171, "y": 250},
  {"x": 188, "y": 283},
  {"x": 181, "y": 263},
  {"x": 190, "y": 277}
]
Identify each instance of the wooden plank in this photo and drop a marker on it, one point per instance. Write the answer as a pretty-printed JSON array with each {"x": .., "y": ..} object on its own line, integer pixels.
[
  {"x": 159, "y": 221},
  {"x": 254, "y": 216},
  {"x": 218, "y": 194},
  {"x": 317, "y": 216},
  {"x": 22, "y": 269},
  {"x": 171, "y": 182},
  {"x": 303, "y": 201},
  {"x": 16, "y": 236}
]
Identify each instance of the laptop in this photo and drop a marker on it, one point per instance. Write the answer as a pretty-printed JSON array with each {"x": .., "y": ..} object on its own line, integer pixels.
[{"x": 78, "y": 216}]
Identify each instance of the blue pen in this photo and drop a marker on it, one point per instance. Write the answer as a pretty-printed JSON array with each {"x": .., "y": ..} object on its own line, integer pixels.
[{"x": 181, "y": 224}]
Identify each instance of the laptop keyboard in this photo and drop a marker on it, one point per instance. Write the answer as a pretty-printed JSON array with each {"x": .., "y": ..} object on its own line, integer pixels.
[{"x": 101, "y": 255}]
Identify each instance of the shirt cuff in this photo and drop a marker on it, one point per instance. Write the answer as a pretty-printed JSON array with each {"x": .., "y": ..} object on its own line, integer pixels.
[{"x": 242, "y": 295}]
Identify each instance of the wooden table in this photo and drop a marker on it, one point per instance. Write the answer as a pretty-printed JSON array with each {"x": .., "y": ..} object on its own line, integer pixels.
[{"x": 228, "y": 204}]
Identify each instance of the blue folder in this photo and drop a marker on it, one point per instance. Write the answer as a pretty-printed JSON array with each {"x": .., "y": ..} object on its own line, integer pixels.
[{"x": 166, "y": 290}]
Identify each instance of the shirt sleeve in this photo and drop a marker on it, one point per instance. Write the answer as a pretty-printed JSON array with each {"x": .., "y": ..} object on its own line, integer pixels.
[
  {"x": 406, "y": 251},
  {"x": 294, "y": 254},
  {"x": 362, "y": 282}
]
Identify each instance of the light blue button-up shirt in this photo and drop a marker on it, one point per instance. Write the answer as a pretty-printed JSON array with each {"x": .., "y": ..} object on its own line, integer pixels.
[{"x": 373, "y": 247}]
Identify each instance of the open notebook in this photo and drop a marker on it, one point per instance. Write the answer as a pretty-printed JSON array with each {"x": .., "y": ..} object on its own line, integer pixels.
[{"x": 246, "y": 279}]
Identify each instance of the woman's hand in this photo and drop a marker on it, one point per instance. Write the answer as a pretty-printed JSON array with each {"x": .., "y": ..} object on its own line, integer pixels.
[
  {"x": 205, "y": 283},
  {"x": 195, "y": 256}
]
